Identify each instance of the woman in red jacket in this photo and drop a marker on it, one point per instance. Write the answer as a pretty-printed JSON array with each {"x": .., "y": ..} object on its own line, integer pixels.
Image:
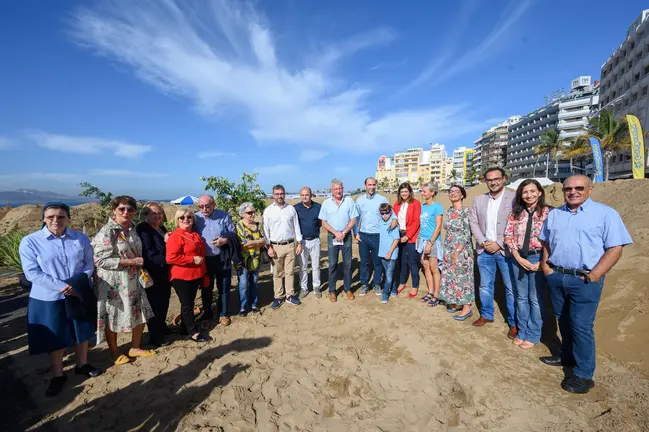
[
  {"x": 408, "y": 209},
  {"x": 186, "y": 256}
]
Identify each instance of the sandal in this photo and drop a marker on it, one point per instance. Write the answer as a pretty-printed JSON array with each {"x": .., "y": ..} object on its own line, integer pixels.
[
  {"x": 427, "y": 297},
  {"x": 141, "y": 353},
  {"x": 432, "y": 302},
  {"x": 122, "y": 359}
]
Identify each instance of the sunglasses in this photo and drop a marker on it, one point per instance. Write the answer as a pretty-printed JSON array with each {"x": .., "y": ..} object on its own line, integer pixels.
[
  {"x": 577, "y": 188},
  {"x": 385, "y": 213},
  {"x": 205, "y": 206},
  {"x": 125, "y": 209},
  {"x": 189, "y": 218},
  {"x": 250, "y": 212}
]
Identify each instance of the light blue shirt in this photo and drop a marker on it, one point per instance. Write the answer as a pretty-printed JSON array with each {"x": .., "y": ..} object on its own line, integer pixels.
[
  {"x": 428, "y": 219},
  {"x": 579, "y": 239},
  {"x": 48, "y": 261},
  {"x": 370, "y": 220},
  {"x": 338, "y": 216},
  {"x": 209, "y": 228},
  {"x": 386, "y": 237}
]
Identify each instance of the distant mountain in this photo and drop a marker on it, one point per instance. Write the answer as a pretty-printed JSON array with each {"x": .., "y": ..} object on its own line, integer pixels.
[{"x": 32, "y": 196}]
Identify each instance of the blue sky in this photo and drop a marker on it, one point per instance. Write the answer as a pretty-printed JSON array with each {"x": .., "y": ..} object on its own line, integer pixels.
[{"x": 145, "y": 97}]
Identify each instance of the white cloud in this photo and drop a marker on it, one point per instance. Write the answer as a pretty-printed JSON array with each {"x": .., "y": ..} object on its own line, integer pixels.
[
  {"x": 50, "y": 176},
  {"x": 88, "y": 145},
  {"x": 212, "y": 154},
  {"x": 222, "y": 56},
  {"x": 127, "y": 173},
  {"x": 312, "y": 155},
  {"x": 6, "y": 143},
  {"x": 276, "y": 169}
]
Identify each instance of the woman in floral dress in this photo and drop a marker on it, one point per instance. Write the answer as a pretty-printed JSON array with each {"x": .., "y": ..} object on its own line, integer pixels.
[
  {"x": 457, "y": 286},
  {"x": 122, "y": 303}
]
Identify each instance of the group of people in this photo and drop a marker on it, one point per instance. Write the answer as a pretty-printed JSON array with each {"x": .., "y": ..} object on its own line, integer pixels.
[{"x": 122, "y": 279}]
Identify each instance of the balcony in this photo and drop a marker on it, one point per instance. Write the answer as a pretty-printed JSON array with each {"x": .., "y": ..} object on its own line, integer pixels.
[
  {"x": 585, "y": 101},
  {"x": 572, "y": 124},
  {"x": 571, "y": 114},
  {"x": 569, "y": 134}
]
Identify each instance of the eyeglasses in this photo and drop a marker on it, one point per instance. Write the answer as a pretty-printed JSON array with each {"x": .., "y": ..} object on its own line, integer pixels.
[
  {"x": 494, "y": 180},
  {"x": 205, "y": 206},
  {"x": 50, "y": 218},
  {"x": 189, "y": 218},
  {"x": 569, "y": 189},
  {"x": 250, "y": 212},
  {"x": 125, "y": 209},
  {"x": 385, "y": 213}
]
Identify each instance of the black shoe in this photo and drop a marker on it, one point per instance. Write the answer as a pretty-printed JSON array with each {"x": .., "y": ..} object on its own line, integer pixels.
[
  {"x": 575, "y": 384},
  {"x": 160, "y": 344},
  {"x": 201, "y": 338},
  {"x": 556, "y": 361},
  {"x": 88, "y": 370},
  {"x": 56, "y": 385}
]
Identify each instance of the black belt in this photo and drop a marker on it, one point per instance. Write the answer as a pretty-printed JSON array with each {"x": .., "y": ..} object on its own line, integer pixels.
[
  {"x": 532, "y": 252},
  {"x": 310, "y": 238},
  {"x": 568, "y": 271},
  {"x": 282, "y": 243}
]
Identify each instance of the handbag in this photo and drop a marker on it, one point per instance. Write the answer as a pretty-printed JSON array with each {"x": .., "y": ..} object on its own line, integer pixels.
[{"x": 144, "y": 277}]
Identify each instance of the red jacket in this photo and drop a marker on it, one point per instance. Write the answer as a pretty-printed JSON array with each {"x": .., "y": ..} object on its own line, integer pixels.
[
  {"x": 182, "y": 247},
  {"x": 412, "y": 219}
]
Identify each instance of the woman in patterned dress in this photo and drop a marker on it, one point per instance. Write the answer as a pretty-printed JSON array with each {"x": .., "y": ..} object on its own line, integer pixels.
[
  {"x": 251, "y": 236},
  {"x": 457, "y": 286},
  {"x": 122, "y": 303}
]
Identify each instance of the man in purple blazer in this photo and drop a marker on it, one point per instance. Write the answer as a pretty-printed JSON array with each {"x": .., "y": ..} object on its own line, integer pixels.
[{"x": 488, "y": 218}]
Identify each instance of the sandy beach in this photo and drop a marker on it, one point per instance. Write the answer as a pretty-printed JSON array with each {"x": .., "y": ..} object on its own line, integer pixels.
[{"x": 363, "y": 366}]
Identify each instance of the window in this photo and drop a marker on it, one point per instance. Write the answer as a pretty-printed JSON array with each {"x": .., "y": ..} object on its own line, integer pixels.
[
  {"x": 636, "y": 78},
  {"x": 643, "y": 91},
  {"x": 646, "y": 70},
  {"x": 628, "y": 157},
  {"x": 626, "y": 102},
  {"x": 634, "y": 97}
]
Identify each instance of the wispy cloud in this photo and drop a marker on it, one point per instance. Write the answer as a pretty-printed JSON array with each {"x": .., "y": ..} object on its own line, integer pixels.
[
  {"x": 6, "y": 143},
  {"x": 127, "y": 173},
  {"x": 451, "y": 60},
  {"x": 312, "y": 155},
  {"x": 213, "y": 154},
  {"x": 222, "y": 56},
  {"x": 50, "y": 176},
  {"x": 276, "y": 169},
  {"x": 88, "y": 145}
]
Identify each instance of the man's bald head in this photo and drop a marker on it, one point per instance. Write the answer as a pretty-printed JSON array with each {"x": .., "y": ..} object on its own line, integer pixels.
[
  {"x": 207, "y": 205},
  {"x": 576, "y": 190},
  {"x": 581, "y": 178},
  {"x": 305, "y": 195}
]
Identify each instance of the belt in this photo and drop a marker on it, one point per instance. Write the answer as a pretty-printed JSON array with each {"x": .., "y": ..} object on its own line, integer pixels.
[
  {"x": 533, "y": 252},
  {"x": 568, "y": 271},
  {"x": 283, "y": 242},
  {"x": 309, "y": 238}
]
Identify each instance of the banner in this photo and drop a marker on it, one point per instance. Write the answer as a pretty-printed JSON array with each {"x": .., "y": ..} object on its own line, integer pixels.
[
  {"x": 637, "y": 146},
  {"x": 598, "y": 164}
]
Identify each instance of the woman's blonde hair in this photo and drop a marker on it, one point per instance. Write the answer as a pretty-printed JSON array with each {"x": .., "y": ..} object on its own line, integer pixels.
[
  {"x": 146, "y": 209},
  {"x": 185, "y": 211}
]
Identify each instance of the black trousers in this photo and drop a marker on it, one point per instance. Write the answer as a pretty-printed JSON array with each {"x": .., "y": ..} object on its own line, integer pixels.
[
  {"x": 158, "y": 296},
  {"x": 222, "y": 276},
  {"x": 186, "y": 291}
]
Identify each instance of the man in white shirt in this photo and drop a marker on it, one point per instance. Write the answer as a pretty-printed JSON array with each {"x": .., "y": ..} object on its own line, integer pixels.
[
  {"x": 488, "y": 219},
  {"x": 283, "y": 241}
]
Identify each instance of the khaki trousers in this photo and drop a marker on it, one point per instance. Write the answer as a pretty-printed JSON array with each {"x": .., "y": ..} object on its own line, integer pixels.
[{"x": 284, "y": 269}]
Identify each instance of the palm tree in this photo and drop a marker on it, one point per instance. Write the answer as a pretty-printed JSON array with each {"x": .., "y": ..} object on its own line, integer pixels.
[
  {"x": 471, "y": 175},
  {"x": 578, "y": 148},
  {"x": 549, "y": 146},
  {"x": 453, "y": 175},
  {"x": 613, "y": 135}
]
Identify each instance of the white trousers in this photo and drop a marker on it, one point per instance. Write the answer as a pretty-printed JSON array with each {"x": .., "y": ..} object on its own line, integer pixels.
[{"x": 310, "y": 249}]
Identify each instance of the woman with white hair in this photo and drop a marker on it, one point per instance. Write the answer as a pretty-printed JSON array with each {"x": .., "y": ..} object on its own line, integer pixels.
[
  {"x": 251, "y": 235},
  {"x": 188, "y": 272}
]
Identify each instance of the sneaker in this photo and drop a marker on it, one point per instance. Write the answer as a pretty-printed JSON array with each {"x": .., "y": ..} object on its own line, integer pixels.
[
  {"x": 393, "y": 294},
  {"x": 293, "y": 300},
  {"x": 303, "y": 293},
  {"x": 378, "y": 290},
  {"x": 317, "y": 293},
  {"x": 87, "y": 370},
  {"x": 384, "y": 301},
  {"x": 364, "y": 290},
  {"x": 276, "y": 303}
]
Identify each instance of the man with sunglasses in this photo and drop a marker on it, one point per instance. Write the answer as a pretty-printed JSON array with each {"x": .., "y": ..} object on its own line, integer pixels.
[
  {"x": 283, "y": 241},
  {"x": 215, "y": 228},
  {"x": 582, "y": 241},
  {"x": 488, "y": 219}
]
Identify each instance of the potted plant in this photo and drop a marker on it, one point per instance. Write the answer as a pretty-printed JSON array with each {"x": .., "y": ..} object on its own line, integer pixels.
[{"x": 9, "y": 256}]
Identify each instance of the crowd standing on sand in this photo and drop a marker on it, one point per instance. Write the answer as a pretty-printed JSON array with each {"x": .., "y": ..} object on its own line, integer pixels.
[{"x": 122, "y": 279}]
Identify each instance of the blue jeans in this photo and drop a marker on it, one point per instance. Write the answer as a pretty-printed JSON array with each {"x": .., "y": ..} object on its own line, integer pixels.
[
  {"x": 575, "y": 304},
  {"x": 389, "y": 285},
  {"x": 223, "y": 277},
  {"x": 409, "y": 258},
  {"x": 529, "y": 304},
  {"x": 369, "y": 246},
  {"x": 488, "y": 264},
  {"x": 332, "y": 254},
  {"x": 248, "y": 287}
]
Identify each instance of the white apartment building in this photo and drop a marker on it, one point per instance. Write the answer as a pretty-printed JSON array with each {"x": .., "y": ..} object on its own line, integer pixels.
[
  {"x": 576, "y": 108},
  {"x": 625, "y": 84},
  {"x": 458, "y": 162}
]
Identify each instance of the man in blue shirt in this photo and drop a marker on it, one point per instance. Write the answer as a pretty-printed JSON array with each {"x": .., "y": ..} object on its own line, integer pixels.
[
  {"x": 213, "y": 226},
  {"x": 582, "y": 241},
  {"x": 307, "y": 213},
  {"x": 366, "y": 231},
  {"x": 338, "y": 215}
]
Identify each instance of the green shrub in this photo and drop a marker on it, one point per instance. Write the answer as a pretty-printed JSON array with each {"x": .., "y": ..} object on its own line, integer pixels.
[{"x": 9, "y": 256}]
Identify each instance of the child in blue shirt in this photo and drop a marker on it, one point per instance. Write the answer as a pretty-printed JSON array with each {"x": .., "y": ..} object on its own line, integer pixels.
[{"x": 388, "y": 243}]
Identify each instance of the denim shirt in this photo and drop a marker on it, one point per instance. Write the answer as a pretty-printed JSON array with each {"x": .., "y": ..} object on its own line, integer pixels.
[{"x": 215, "y": 225}]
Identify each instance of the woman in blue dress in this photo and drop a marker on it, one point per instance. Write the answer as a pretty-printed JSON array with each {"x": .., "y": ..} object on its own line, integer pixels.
[{"x": 51, "y": 258}]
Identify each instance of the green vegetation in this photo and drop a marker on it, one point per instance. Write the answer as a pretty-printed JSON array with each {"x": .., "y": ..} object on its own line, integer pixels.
[
  {"x": 549, "y": 146},
  {"x": 9, "y": 256},
  {"x": 230, "y": 195}
]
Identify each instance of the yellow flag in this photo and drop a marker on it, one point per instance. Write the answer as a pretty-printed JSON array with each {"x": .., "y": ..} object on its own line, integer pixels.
[{"x": 637, "y": 146}]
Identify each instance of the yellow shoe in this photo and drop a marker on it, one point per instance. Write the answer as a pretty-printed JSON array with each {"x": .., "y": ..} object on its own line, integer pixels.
[
  {"x": 122, "y": 359},
  {"x": 141, "y": 353}
]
